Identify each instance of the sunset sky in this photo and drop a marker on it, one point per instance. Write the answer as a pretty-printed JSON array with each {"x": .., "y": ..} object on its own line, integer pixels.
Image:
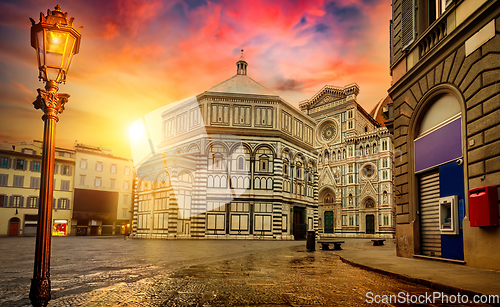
[{"x": 138, "y": 55}]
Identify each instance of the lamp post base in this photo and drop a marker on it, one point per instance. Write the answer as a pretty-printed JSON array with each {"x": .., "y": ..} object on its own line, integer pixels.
[{"x": 40, "y": 292}]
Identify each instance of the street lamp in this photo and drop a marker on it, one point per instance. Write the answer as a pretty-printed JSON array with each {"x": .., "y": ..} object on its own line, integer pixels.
[{"x": 55, "y": 41}]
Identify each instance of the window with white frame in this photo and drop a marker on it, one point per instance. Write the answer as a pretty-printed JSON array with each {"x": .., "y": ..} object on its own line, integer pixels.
[
  {"x": 127, "y": 171},
  {"x": 82, "y": 179},
  {"x": 384, "y": 145},
  {"x": 83, "y": 164},
  {"x": 126, "y": 185},
  {"x": 113, "y": 168},
  {"x": 98, "y": 166},
  {"x": 98, "y": 181},
  {"x": 112, "y": 183}
]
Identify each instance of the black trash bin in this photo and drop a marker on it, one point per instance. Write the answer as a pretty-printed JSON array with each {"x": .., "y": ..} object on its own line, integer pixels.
[{"x": 311, "y": 241}]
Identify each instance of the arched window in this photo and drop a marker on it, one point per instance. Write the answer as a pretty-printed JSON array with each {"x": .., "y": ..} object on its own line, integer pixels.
[
  {"x": 256, "y": 184},
  {"x": 442, "y": 120},
  {"x": 375, "y": 148},
  {"x": 264, "y": 163},
  {"x": 269, "y": 183},
  {"x": 185, "y": 177},
  {"x": 369, "y": 203},
  {"x": 360, "y": 150},
  {"x": 241, "y": 163}
]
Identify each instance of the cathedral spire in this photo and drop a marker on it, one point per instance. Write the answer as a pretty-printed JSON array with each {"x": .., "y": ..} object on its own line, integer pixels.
[{"x": 241, "y": 65}]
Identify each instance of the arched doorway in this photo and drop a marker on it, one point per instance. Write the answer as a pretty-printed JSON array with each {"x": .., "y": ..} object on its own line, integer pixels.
[
  {"x": 438, "y": 170},
  {"x": 329, "y": 200},
  {"x": 14, "y": 226},
  {"x": 326, "y": 210},
  {"x": 368, "y": 205}
]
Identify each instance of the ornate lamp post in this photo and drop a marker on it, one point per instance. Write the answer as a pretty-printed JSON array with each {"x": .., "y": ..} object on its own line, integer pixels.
[{"x": 56, "y": 41}]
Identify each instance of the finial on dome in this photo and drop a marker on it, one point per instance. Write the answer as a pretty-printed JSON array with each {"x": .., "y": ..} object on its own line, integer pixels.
[{"x": 241, "y": 65}]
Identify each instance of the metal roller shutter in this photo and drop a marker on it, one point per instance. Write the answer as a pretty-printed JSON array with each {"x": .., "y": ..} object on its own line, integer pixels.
[{"x": 430, "y": 237}]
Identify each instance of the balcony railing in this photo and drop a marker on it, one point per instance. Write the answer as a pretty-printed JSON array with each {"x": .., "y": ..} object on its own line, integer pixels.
[{"x": 432, "y": 38}]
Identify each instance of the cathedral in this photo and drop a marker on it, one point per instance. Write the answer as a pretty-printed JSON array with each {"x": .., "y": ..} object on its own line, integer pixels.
[{"x": 239, "y": 162}]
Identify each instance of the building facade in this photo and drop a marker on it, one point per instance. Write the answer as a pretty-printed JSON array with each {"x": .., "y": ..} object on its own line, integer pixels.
[
  {"x": 103, "y": 192},
  {"x": 355, "y": 178},
  {"x": 237, "y": 161},
  {"x": 92, "y": 190},
  {"x": 20, "y": 166},
  {"x": 445, "y": 92}
]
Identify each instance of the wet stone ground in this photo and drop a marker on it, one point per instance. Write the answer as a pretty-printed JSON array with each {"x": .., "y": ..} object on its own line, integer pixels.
[{"x": 117, "y": 272}]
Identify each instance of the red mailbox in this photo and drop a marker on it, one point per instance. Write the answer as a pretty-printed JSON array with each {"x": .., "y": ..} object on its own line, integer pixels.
[{"x": 483, "y": 206}]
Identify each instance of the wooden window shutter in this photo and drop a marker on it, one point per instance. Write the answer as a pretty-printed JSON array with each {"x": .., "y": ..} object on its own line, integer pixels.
[
  {"x": 71, "y": 170},
  {"x": 59, "y": 203},
  {"x": 56, "y": 169},
  {"x": 31, "y": 166},
  {"x": 14, "y": 163},
  {"x": 21, "y": 202},
  {"x": 9, "y": 163},
  {"x": 67, "y": 204},
  {"x": 407, "y": 23}
]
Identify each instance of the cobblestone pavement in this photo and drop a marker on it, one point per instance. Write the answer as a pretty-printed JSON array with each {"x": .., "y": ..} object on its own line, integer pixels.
[{"x": 116, "y": 272}]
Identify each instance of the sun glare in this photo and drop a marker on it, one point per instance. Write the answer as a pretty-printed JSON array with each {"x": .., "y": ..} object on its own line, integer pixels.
[{"x": 136, "y": 131}]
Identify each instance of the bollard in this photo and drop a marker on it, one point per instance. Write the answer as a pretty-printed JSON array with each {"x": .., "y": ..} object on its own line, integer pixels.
[{"x": 311, "y": 240}]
